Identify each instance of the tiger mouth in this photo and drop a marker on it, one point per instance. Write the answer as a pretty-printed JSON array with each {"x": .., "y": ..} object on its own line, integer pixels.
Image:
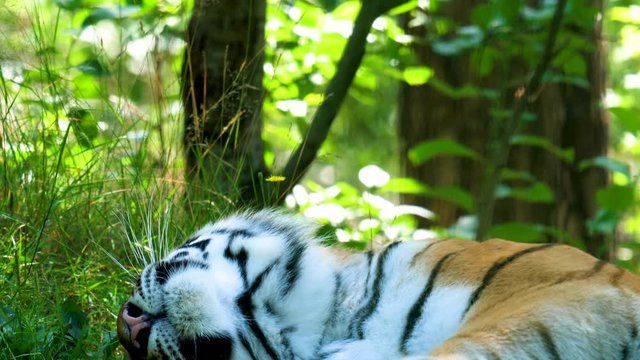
[{"x": 134, "y": 329}]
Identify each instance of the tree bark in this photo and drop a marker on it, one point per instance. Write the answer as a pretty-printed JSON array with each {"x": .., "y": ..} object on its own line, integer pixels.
[
  {"x": 567, "y": 115},
  {"x": 222, "y": 98}
]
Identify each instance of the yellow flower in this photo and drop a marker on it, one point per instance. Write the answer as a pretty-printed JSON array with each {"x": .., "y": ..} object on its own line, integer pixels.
[{"x": 275, "y": 178}]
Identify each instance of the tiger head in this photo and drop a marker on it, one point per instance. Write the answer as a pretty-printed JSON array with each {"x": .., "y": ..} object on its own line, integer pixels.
[
  {"x": 181, "y": 308},
  {"x": 195, "y": 303}
]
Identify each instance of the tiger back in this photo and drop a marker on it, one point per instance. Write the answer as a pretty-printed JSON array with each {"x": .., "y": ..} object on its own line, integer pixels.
[{"x": 258, "y": 286}]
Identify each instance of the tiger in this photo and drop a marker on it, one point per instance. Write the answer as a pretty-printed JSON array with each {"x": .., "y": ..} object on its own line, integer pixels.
[{"x": 260, "y": 285}]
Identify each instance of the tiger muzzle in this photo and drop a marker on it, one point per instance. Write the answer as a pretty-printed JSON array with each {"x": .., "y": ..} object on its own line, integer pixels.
[{"x": 134, "y": 328}]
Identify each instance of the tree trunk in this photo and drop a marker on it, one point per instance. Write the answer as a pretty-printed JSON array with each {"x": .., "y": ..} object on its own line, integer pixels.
[
  {"x": 222, "y": 97},
  {"x": 567, "y": 115}
]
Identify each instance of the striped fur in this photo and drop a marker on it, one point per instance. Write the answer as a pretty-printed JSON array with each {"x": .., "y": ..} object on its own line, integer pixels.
[{"x": 256, "y": 286}]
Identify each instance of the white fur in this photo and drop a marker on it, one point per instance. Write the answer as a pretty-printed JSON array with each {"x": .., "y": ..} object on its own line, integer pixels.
[{"x": 441, "y": 317}]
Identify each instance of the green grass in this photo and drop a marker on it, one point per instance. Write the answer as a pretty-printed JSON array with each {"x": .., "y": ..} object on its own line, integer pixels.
[
  {"x": 83, "y": 202},
  {"x": 75, "y": 226}
]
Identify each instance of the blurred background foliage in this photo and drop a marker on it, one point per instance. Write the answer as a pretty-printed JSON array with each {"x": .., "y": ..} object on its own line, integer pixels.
[{"x": 92, "y": 165}]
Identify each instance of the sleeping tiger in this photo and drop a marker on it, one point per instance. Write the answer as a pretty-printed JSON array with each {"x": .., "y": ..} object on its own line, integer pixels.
[{"x": 258, "y": 286}]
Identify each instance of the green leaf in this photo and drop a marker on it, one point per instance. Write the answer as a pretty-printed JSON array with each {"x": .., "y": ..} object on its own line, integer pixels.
[
  {"x": 329, "y": 5},
  {"x": 517, "y": 231},
  {"x": 483, "y": 15},
  {"x": 615, "y": 198},
  {"x": 417, "y": 75},
  {"x": 537, "y": 193},
  {"x": 623, "y": 14},
  {"x": 482, "y": 60},
  {"x": 406, "y": 7},
  {"x": 629, "y": 119},
  {"x": 93, "y": 67},
  {"x": 405, "y": 186},
  {"x": 431, "y": 148},
  {"x": 347, "y": 10},
  {"x": 511, "y": 174},
  {"x": 604, "y": 222},
  {"x": 567, "y": 154},
  {"x": 75, "y": 320},
  {"x": 84, "y": 126},
  {"x": 447, "y": 48},
  {"x": 69, "y": 4},
  {"x": 109, "y": 12},
  {"x": 606, "y": 163},
  {"x": 575, "y": 66},
  {"x": 464, "y": 91},
  {"x": 540, "y": 15},
  {"x": 509, "y": 9},
  {"x": 454, "y": 194}
]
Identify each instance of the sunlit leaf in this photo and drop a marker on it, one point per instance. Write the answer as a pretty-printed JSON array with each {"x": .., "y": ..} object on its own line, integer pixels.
[
  {"x": 616, "y": 198},
  {"x": 347, "y": 10},
  {"x": 275, "y": 178},
  {"x": 624, "y": 14},
  {"x": 627, "y": 118},
  {"x": 69, "y": 4},
  {"x": 405, "y": 186},
  {"x": 417, "y": 75},
  {"x": 84, "y": 126},
  {"x": 432, "y": 148},
  {"x": 406, "y": 7}
]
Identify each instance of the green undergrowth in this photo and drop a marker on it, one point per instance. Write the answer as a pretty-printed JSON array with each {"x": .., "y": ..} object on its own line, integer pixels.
[{"x": 85, "y": 194}]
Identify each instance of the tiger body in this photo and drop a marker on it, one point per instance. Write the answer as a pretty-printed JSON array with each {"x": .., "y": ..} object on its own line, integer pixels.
[{"x": 257, "y": 286}]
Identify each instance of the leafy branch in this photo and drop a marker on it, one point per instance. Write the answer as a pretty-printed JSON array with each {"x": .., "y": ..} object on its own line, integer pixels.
[
  {"x": 498, "y": 154},
  {"x": 306, "y": 152}
]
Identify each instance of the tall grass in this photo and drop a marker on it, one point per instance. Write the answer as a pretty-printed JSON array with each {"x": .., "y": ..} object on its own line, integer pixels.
[{"x": 88, "y": 191}]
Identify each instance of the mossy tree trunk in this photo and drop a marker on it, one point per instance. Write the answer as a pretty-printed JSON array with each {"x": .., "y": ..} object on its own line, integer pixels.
[{"x": 222, "y": 98}]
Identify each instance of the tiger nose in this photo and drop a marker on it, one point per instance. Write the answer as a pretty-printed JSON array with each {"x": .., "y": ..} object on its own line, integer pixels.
[{"x": 134, "y": 328}]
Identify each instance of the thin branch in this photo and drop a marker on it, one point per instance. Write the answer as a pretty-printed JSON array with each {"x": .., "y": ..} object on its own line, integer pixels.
[
  {"x": 499, "y": 154},
  {"x": 303, "y": 156}
]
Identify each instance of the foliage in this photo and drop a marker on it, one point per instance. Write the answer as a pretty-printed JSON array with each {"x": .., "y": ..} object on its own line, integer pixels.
[
  {"x": 304, "y": 45},
  {"x": 83, "y": 86},
  {"x": 356, "y": 218},
  {"x": 622, "y": 102}
]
